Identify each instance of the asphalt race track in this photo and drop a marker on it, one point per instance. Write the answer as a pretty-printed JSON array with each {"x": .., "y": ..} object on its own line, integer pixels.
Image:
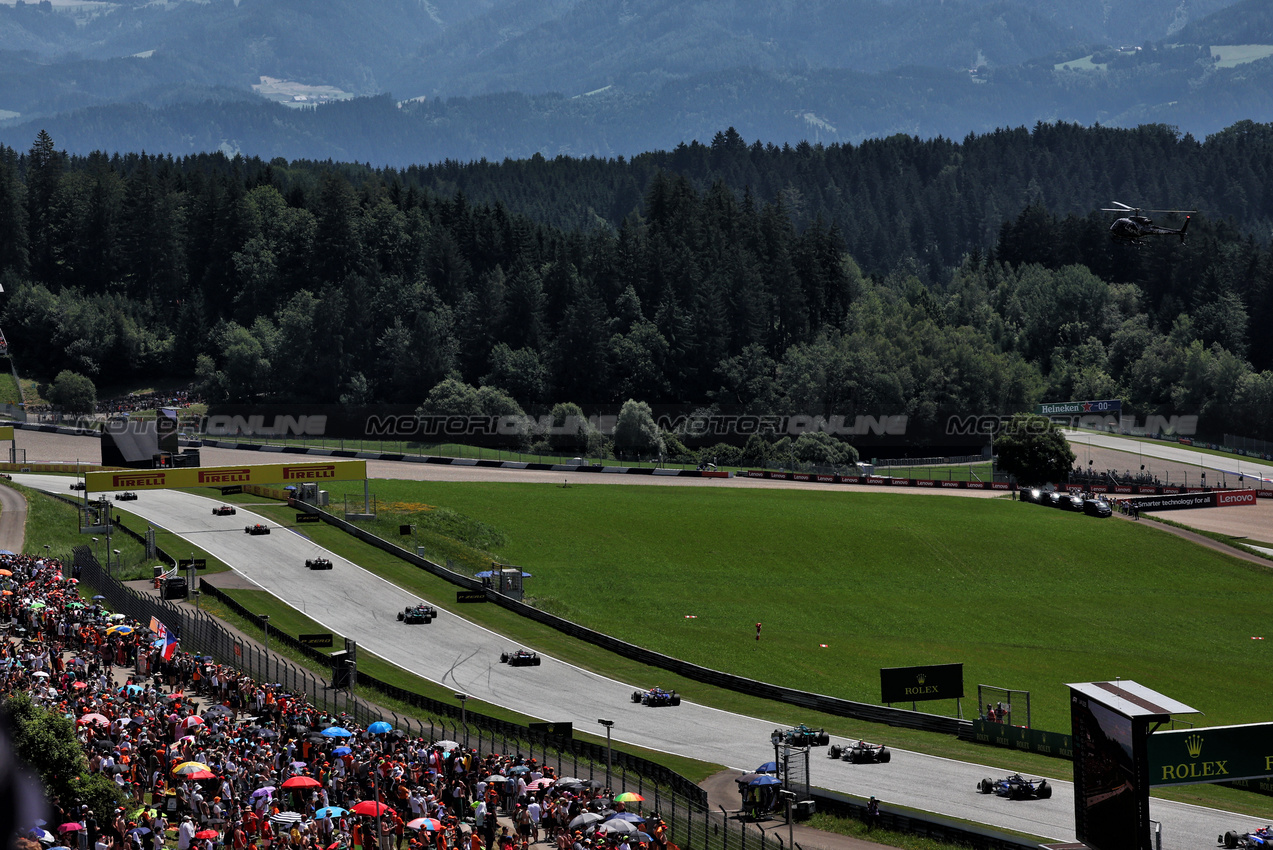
[{"x": 464, "y": 656}]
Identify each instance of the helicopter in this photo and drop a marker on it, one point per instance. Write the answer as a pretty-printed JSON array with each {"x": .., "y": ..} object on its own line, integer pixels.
[{"x": 1131, "y": 229}]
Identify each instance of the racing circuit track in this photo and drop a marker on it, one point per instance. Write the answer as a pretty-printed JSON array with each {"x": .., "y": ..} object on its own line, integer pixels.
[{"x": 465, "y": 656}]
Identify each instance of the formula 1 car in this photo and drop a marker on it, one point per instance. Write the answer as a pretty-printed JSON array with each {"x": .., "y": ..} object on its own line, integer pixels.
[
  {"x": 803, "y": 736},
  {"x": 224, "y": 510},
  {"x": 418, "y": 614},
  {"x": 861, "y": 752},
  {"x": 1016, "y": 787},
  {"x": 1261, "y": 837},
  {"x": 656, "y": 696},
  {"x": 126, "y": 497},
  {"x": 520, "y": 658},
  {"x": 259, "y": 528},
  {"x": 318, "y": 564},
  {"x": 77, "y": 485}
]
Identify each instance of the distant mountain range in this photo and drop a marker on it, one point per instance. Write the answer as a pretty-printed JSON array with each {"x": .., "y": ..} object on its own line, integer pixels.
[{"x": 400, "y": 81}]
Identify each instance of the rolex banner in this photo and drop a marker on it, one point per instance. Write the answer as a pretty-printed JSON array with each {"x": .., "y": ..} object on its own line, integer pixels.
[
  {"x": 911, "y": 684},
  {"x": 1214, "y": 754},
  {"x": 221, "y": 476}
]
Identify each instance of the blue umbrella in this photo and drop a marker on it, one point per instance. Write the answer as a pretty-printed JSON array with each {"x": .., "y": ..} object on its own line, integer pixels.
[
  {"x": 337, "y": 732},
  {"x": 765, "y": 780},
  {"x": 630, "y": 817},
  {"x": 330, "y": 811},
  {"x": 380, "y": 727},
  {"x": 341, "y": 751}
]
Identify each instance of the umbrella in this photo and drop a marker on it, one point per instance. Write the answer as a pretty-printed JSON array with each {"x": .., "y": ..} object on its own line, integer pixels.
[
  {"x": 630, "y": 817},
  {"x": 7, "y": 592},
  {"x": 141, "y": 830},
  {"x": 36, "y": 604},
  {"x": 519, "y": 770},
  {"x": 190, "y": 722},
  {"x": 497, "y": 779},
  {"x": 447, "y": 745},
  {"x": 619, "y": 826},
  {"x": 265, "y": 791},
  {"x": 746, "y": 778},
  {"x": 117, "y": 617},
  {"x": 380, "y": 727},
  {"x": 297, "y": 765},
  {"x": 203, "y": 774},
  {"x": 431, "y": 824},
  {"x": 6, "y": 572},
  {"x": 120, "y": 630},
  {"x": 767, "y": 767},
  {"x": 188, "y": 767},
  {"x": 218, "y": 711},
  {"x": 542, "y": 782},
  {"x": 584, "y": 821},
  {"x": 330, "y": 811},
  {"x": 97, "y": 597},
  {"x": 285, "y": 818},
  {"x": 70, "y": 827},
  {"x": 40, "y": 674},
  {"x": 205, "y": 833},
  {"x": 337, "y": 732},
  {"x": 262, "y": 732},
  {"x": 302, "y": 782},
  {"x": 342, "y": 751},
  {"x": 765, "y": 780},
  {"x": 95, "y": 719},
  {"x": 68, "y": 605},
  {"x": 629, "y": 797},
  {"x": 79, "y": 685},
  {"x": 370, "y": 808},
  {"x": 592, "y": 784},
  {"x": 42, "y": 834},
  {"x": 641, "y": 836}
]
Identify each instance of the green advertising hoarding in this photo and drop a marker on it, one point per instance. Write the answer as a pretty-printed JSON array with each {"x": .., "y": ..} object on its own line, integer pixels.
[
  {"x": 1214, "y": 754},
  {"x": 1021, "y": 738}
]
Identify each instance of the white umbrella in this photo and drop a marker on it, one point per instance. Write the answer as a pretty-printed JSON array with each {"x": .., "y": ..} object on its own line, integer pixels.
[
  {"x": 623, "y": 826},
  {"x": 40, "y": 674}
]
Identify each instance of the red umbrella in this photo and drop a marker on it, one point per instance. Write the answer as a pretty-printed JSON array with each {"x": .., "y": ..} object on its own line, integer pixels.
[
  {"x": 95, "y": 719},
  {"x": 70, "y": 827},
  {"x": 206, "y": 833},
  {"x": 370, "y": 808},
  {"x": 301, "y": 782},
  {"x": 201, "y": 774}
]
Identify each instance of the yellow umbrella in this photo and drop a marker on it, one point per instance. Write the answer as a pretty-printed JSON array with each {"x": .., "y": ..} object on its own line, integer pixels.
[{"x": 188, "y": 767}]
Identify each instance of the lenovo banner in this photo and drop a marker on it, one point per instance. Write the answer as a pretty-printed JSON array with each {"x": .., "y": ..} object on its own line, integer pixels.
[
  {"x": 912, "y": 684},
  {"x": 1184, "y": 501}
]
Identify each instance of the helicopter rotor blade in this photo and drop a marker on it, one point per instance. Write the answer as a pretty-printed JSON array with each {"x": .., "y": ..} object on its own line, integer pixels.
[{"x": 1119, "y": 206}]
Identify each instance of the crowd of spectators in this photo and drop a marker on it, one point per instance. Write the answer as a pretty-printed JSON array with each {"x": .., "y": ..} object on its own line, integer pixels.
[{"x": 204, "y": 757}]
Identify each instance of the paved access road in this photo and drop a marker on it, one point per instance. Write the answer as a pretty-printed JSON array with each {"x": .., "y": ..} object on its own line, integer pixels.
[{"x": 465, "y": 656}]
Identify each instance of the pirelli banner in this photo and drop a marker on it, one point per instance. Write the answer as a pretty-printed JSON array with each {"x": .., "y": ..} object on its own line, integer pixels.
[
  {"x": 911, "y": 684},
  {"x": 1183, "y": 501},
  {"x": 220, "y": 476}
]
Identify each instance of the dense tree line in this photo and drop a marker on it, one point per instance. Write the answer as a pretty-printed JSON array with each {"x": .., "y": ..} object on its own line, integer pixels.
[{"x": 727, "y": 275}]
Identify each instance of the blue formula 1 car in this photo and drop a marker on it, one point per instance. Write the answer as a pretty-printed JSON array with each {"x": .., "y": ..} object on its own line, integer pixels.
[
  {"x": 1261, "y": 837},
  {"x": 1016, "y": 787},
  {"x": 656, "y": 696}
]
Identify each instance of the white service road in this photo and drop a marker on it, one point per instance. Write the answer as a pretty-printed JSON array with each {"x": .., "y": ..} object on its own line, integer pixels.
[{"x": 465, "y": 656}]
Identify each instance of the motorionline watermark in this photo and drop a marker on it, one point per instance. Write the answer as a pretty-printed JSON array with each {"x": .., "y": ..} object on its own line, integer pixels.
[
  {"x": 444, "y": 425},
  {"x": 993, "y": 424},
  {"x": 689, "y": 425}
]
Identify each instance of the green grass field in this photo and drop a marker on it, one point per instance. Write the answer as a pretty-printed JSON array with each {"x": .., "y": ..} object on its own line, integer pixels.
[
  {"x": 1231, "y": 55},
  {"x": 1025, "y": 598}
]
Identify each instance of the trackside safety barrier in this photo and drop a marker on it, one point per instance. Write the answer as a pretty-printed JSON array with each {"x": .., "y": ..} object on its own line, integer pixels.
[{"x": 818, "y": 702}]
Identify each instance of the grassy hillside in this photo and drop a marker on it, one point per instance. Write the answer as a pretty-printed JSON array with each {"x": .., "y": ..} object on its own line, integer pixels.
[{"x": 846, "y": 583}]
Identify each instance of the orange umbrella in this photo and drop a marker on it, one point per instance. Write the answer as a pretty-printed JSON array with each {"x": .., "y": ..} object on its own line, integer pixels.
[{"x": 6, "y": 572}]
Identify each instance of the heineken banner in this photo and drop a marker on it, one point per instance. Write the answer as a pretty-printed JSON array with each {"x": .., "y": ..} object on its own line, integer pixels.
[
  {"x": 1064, "y": 408},
  {"x": 911, "y": 684},
  {"x": 1215, "y": 754}
]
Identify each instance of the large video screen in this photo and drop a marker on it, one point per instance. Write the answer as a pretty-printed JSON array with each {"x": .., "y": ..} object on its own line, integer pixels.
[{"x": 1111, "y": 808}]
